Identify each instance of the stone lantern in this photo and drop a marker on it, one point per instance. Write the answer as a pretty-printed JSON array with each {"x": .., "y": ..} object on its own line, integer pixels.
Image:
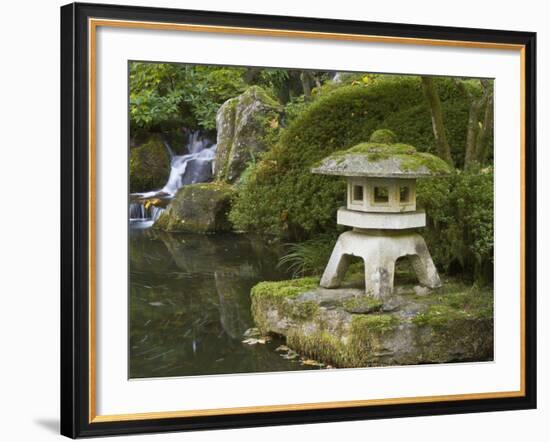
[{"x": 381, "y": 209}]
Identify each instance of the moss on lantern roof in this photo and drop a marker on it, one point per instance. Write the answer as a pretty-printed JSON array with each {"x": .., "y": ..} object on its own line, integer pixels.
[
  {"x": 383, "y": 136},
  {"x": 378, "y": 159}
]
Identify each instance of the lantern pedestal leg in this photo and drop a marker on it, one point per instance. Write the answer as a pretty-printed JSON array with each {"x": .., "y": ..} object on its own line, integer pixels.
[{"x": 379, "y": 251}]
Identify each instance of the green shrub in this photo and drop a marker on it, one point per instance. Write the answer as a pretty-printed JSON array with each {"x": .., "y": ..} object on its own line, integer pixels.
[
  {"x": 459, "y": 212},
  {"x": 280, "y": 195}
]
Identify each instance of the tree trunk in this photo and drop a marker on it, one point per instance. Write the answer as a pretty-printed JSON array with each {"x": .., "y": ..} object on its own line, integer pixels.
[
  {"x": 305, "y": 78},
  {"x": 472, "y": 132},
  {"x": 478, "y": 130},
  {"x": 283, "y": 92},
  {"x": 438, "y": 126},
  {"x": 485, "y": 131},
  {"x": 251, "y": 74}
]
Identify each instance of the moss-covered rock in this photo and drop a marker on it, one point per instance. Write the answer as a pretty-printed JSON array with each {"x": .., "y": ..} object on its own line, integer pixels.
[
  {"x": 343, "y": 328},
  {"x": 198, "y": 208},
  {"x": 149, "y": 166},
  {"x": 280, "y": 196},
  {"x": 244, "y": 124}
]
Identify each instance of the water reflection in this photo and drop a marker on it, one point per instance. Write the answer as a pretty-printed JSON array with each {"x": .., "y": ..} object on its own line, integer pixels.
[{"x": 190, "y": 305}]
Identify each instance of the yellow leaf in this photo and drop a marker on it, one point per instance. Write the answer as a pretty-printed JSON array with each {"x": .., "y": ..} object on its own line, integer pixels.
[{"x": 311, "y": 362}]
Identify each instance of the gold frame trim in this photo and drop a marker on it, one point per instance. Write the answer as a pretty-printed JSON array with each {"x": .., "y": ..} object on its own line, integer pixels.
[{"x": 93, "y": 24}]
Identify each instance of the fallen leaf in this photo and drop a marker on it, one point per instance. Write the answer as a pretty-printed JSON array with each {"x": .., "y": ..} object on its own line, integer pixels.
[
  {"x": 312, "y": 362},
  {"x": 250, "y": 341}
]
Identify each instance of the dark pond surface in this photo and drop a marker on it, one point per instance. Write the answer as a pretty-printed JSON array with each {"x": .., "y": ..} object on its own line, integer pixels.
[{"x": 190, "y": 305}]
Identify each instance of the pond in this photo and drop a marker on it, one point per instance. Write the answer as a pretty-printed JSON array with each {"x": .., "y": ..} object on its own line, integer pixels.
[{"x": 189, "y": 304}]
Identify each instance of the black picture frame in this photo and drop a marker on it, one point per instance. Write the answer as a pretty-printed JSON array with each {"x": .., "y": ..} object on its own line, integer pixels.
[{"x": 75, "y": 220}]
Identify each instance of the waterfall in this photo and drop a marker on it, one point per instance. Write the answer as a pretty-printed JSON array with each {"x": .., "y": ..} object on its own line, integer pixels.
[
  {"x": 139, "y": 211},
  {"x": 196, "y": 166},
  {"x": 143, "y": 216}
]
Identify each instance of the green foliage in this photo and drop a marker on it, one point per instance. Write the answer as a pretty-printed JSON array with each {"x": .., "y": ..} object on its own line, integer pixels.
[
  {"x": 153, "y": 96},
  {"x": 309, "y": 257},
  {"x": 282, "y": 197},
  {"x": 149, "y": 166},
  {"x": 460, "y": 232},
  {"x": 273, "y": 79},
  {"x": 164, "y": 95},
  {"x": 207, "y": 90},
  {"x": 294, "y": 108}
]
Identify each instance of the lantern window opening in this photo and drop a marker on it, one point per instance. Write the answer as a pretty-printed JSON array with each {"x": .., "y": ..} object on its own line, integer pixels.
[
  {"x": 381, "y": 195},
  {"x": 358, "y": 193},
  {"x": 404, "y": 194}
]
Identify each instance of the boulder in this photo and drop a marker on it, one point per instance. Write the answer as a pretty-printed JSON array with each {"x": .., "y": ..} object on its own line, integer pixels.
[
  {"x": 149, "y": 166},
  {"x": 345, "y": 328},
  {"x": 242, "y": 124},
  {"x": 198, "y": 208}
]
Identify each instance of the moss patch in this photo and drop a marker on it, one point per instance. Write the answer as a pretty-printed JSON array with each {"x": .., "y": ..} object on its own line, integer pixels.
[
  {"x": 362, "y": 324},
  {"x": 409, "y": 159},
  {"x": 290, "y": 288},
  {"x": 362, "y": 304},
  {"x": 385, "y": 136},
  {"x": 456, "y": 303},
  {"x": 276, "y": 298}
]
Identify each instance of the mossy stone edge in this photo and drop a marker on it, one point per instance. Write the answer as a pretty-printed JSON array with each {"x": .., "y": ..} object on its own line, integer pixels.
[{"x": 452, "y": 325}]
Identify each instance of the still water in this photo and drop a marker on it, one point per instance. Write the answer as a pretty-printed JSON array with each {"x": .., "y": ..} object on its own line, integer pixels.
[{"x": 190, "y": 304}]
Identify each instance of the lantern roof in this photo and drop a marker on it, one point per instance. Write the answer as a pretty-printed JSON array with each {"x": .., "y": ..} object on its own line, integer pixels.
[{"x": 379, "y": 159}]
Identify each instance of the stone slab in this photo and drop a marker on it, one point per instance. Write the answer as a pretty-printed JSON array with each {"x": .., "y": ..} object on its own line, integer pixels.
[
  {"x": 385, "y": 221},
  {"x": 344, "y": 328}
]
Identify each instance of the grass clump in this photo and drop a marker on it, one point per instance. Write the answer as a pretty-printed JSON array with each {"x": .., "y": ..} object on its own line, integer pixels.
[{"x": 308, "y": 257}]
